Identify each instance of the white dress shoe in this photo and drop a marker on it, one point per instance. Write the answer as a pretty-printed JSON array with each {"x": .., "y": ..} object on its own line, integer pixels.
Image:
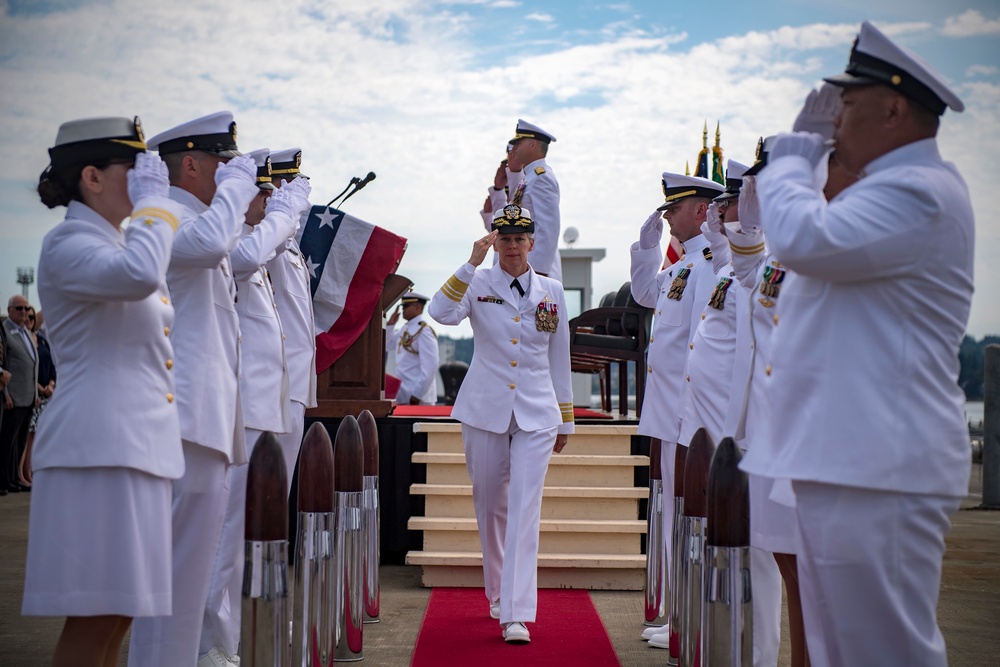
[
  {"x": 516, "y": 633},
  {"x": 661, "y": 640},
  {"x": 654, "y": 630},
  {"x": 495, "y": 610},
  {"x": 218, "y": 658}
]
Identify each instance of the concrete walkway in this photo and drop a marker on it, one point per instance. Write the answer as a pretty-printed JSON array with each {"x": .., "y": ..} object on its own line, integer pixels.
[{"x": 969, "y": 609}]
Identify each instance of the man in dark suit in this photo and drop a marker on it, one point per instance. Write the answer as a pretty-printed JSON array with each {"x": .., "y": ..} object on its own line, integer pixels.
[{"x": 20, "y": 395}]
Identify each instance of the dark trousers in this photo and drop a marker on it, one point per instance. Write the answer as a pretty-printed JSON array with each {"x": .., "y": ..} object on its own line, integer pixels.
[{"x": 13, "y": 438}]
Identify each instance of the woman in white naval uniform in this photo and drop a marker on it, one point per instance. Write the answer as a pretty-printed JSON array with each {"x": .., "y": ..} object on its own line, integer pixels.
[
  {"x": 515, "y": 405},
  {"x": 109, "y": 443}
]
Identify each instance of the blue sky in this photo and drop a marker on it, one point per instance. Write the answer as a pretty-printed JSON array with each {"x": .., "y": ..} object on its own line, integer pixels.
[{"x": 427, "y": 93}]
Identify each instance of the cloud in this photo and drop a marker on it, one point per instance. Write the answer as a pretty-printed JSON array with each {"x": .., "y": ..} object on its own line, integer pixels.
[
  {"x": 970, "y": 24},
  {"x": 402, "y": 88},
  {"x": 541, "y": 18},
  {"x": 981, "y": 70}
]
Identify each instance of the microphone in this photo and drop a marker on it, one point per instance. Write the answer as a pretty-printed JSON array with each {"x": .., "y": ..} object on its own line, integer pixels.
[
  {"x": 365, "y": 181},
  {"x": 354, "y": 181}
]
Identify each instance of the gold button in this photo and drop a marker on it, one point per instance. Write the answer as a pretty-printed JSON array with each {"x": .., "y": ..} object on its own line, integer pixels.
[
  {"x": 650, "y": 339},
  {"x": 649, "y": 369},
  {"x": 690, "y": 346},
  {"x": 775, "y": 319},
  {"x": 767, "y": 371},
  {"x": 166, "y": 331},
  {"x": 149, "y": 221},
  {"x": 283, "y": 337},
  {"x": 511, "y": 386},
  {"x": 170, "y": 364},
  {"x": 170, "y": 398},
  {"x": 513, "y": 363},
  {"x": 658, "y": 311},
  {"x": 513, "y": 340},
  {"x": 703, "y": 316},
  {"x": 687, "y": 377},
  {"x": 164, "y": 299},
  {"x": 517, "y": 319}
]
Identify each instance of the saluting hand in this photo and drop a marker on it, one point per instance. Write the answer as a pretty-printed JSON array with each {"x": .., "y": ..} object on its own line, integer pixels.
[
  {"x": 651, "y": 231},
  {"x": 148, "y": 178},
  {"x": 481, "y": 247},
  {"x": 749, "y": 205},
  {"x": 561, "y": 440},
  {"x": 500, "y": 178}
]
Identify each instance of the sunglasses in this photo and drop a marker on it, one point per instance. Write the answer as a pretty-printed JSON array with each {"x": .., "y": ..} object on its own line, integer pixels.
[{"x": 20, "y": 308}]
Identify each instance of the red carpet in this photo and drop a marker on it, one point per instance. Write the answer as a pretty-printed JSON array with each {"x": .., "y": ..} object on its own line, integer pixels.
[
  {"x": 458, "y": 632},
  {"x": 445, "y": 411}
]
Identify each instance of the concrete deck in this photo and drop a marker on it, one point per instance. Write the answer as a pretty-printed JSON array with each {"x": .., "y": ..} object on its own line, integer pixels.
[{"x": 968, "y": 612}]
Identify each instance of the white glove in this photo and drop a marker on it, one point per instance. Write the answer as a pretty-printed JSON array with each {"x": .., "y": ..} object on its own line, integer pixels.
[
  {"x": 809, "y": 145},
  {"x": 749, "y": 206},
  {"x": 148, "y": 178},
  {"x": 651, "y": 231},
  {"x": 291, "y": 198},
  {"x": 819, "y": 110},
  {"x": 713, "y": 222},
  {"x": 239, "y": 168}
]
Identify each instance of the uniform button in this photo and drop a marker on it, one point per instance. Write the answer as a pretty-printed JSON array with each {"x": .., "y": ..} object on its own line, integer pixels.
[
  {"x": 170, "y": 364},
  {"x": 511, "y": 386},
  {"x": 649, "y": 369},
  {"x": 767, "y": 371},
  {"x": 650, "y": 339},
  {"x": 513, "y": 363},
  {"x": 239, "y": 339},
  {"x": 514, "y": 341},
  {"x": 688, "y": 378},
  {"x": 658, "y": 311},
  {"x": 170, "y": 398},
  {"x": 690, "y": 346},
  {"x": 775, "y": 319},
  {"x": 164, "y": 299},
  {"x": 283, "y": 337},
  {"x": 166, "y": 331},
  {"x": 517, "y": 319},
  {"x": 703, "y": 316}
]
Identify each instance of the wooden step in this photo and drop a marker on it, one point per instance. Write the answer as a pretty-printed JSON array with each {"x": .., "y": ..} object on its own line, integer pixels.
[
  {"x": 564, "y": 469},
  {"x": 583, "y": 536},
  {"x": 605, "y": 503},
  {"x": 596, "y": 439}
]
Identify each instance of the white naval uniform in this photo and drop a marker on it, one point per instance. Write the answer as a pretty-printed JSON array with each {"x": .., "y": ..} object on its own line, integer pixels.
[
  {"x": 205, "y": 337},
  {"x": 864, "y": 368},
  {"x": 513, "y": 402},
  {"x": 264, "y": 399},
  {"x": 754, "y": 311},
  {"x": 541, "y": 198},
  {"x": 114, "y": 415},
  {"x": 290, "y": 280},
  {"x": 416, "y": 360}
]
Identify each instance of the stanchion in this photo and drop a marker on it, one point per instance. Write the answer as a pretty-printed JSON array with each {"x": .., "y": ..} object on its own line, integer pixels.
[
  {"x": 676, "y": 556},
  {"x": 727, "y": 617},
  {"x": 264, "y": 628},
  {"x": 371, "y": 519},
  {"x": 313, "y": 593},
  {"x": 656, "y": 598},
  {"x": 348, "y": 542},
  {"x": 699, "y": 458}
]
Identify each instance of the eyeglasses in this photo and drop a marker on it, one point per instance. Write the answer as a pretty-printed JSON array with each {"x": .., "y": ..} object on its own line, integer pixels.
[
  {"x": 20, "y": 308},
  {"x": 31, "y": 317}
]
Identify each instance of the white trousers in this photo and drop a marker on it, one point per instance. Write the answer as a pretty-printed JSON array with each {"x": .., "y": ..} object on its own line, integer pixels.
[
  {"x": 668, "y": 450},
  {"x": 508, "y": 473},
  {"x": 198, "y": 510},
  {"x": 224, "y": 603},
  {"x": 291, "y": 442},
  {"x": 870, "y": 574},
  {"x": 765, "y": 583}
]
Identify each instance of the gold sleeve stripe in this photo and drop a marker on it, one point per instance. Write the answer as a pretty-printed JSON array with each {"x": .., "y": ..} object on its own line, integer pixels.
[
  {"x": 161, "y": 213},
  {"x": 567, "y": 417},
  {"x": 454, "y": 289},
  {"x": 749, "y": 250}
]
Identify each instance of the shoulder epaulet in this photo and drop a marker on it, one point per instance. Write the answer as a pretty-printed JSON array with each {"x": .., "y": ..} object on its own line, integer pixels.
[
  {"x": 429, "y": 328},
  {"x": 539, "y": 170},
  {"x": 707, "y": 252}
]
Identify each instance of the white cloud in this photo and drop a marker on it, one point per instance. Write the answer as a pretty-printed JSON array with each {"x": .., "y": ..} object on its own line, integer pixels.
[
  {"x": 970, "y": 24},
  {"x": 541, "y": 18},
  {"x": 398, "y": 88},
  {"x": 981, "y": 70}
]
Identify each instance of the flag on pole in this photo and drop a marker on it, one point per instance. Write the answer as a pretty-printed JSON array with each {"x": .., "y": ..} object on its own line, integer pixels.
[
  {"x": 701, "y": 169},
  {"x": 348, "y": 260},
  {"x": 718, "y": 169}
]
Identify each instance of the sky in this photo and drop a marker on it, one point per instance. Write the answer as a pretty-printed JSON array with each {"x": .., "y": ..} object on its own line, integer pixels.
[{"x": 426, "y": 94}]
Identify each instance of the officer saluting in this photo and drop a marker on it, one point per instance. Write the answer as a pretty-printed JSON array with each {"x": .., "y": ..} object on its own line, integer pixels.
[
  {"x": 416, "y": 352},
  {"x": 515, "y": 405},
  {"x": 865, "y": 359}
]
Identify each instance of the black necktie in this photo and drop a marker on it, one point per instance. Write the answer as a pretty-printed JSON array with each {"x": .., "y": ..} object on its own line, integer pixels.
[{"x": 516, "y": 285}]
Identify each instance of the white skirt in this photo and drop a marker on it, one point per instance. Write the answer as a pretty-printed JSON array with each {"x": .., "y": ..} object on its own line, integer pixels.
[
  {"x": 773, "y": 527},
  {"x": 99, "y": 543}
]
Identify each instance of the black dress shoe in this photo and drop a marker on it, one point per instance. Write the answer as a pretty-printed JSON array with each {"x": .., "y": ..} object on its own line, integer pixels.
[
  {"x": 3, "y": 492},
  {"x": 14, "y": 487}
]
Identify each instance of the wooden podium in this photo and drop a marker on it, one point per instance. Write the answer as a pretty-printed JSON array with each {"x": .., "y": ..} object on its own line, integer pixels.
[{"x": 356, "y": 381}]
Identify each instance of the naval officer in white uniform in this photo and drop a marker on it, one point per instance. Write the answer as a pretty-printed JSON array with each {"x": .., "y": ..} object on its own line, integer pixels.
[
  {"x": 293, "y": 295},
  {"x": 515, "y": 405},
  {"x": 271, "y": 220},
  {"x": 215, "y": 185},
  {"x": 109, "y": 444},
  {"x": 676, "y": 293},
  {"x": 415, "y": 344},
  {"x": 865, "y": 359}
]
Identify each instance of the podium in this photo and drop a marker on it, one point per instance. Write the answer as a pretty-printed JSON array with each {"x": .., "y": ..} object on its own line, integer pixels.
[{"x": 356, "y": 381}]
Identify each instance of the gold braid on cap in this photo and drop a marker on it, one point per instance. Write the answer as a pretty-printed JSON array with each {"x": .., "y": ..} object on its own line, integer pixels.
[{"x": 511, "y": 218}]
